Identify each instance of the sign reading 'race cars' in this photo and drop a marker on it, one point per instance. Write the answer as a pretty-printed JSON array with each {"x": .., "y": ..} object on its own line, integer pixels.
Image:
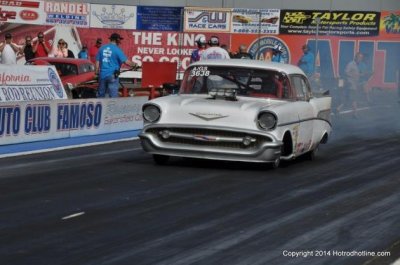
[{"x": 201, "y": 19}]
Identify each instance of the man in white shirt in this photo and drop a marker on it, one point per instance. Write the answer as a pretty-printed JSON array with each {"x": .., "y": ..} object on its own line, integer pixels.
[
  {"x": 9, "y": 50},
  {"x": 214, "y": 51}
]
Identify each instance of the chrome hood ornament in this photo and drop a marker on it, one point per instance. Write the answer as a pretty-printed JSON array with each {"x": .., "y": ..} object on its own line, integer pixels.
[{"x": 208, "y": 116}]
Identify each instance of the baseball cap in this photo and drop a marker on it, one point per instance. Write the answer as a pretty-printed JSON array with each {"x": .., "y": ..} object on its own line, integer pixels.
[
  {"x": 8, "y": 36},
  {"x": 116, "y": 36}
]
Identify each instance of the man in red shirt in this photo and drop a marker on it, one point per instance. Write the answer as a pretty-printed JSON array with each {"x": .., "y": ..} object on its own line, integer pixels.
[
  {"x": 94, "y": 49},
  {"x": 41, "y": 49}
]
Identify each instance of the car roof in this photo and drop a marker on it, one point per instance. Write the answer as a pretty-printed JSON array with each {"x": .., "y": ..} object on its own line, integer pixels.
[
  {"x": 61, "y": 60},
  {"x": 246, "y": 63}
]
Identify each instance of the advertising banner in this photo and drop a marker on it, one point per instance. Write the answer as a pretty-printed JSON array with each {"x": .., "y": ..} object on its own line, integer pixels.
[
  {"x": 332, "y": 54},
  {"x": 390, "y": 24},
  {"x": 28, "y": 12},
  {"x": 113, "y": 16},
  {"x": 154, "y": 46},
  {"x": 159, "y": 18},
  {"x": 253, "y": 21},
  {"x": 46, "y": 120},
  {"x": 334, "y": 23},
  {"x": 30, "y": 83},
  {"x": 67, "y": 13},
  {"x": 207, "y": 19}
]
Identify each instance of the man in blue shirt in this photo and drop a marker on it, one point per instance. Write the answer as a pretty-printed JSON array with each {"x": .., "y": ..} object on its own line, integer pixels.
[
  {"x": 108, "y": 63},
  {"x": 83, "y": 54},
  {"x": 306, "y": 62}
]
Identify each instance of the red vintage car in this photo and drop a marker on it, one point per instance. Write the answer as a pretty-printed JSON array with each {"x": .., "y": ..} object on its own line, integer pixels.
[
  {"x": 77, "y": 75},
  {"x": 78, "y": 78}
]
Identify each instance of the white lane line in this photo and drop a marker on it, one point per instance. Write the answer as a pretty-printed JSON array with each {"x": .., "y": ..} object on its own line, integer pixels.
[
  {"x": 397, "y": 262},
  {"x": 66, "y": 147},
  {"x": 72, "y": 215},
  {"x": 364, "y": 108},
  {"x": 50, "y": 161}
]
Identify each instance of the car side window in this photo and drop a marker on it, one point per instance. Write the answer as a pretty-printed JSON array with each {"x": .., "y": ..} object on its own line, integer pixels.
[
  {"x": 85, "y": 68},
  {"x": 301, "y": 87}
]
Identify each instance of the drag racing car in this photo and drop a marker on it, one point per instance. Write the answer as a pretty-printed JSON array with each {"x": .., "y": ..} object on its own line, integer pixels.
[{"x": 238, "y": 110}]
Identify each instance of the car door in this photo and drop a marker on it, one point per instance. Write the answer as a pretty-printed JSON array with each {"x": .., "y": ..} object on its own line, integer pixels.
[{"x": 303, "y": 139}]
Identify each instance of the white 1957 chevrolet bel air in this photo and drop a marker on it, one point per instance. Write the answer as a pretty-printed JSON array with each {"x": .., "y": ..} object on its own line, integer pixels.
[{"x": 238, "y": 110}]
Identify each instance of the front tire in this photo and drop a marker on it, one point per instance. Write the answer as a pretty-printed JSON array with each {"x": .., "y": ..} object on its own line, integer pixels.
[
  {"x": 275, "y": 164},
  {"x": 160, "y": 159}
]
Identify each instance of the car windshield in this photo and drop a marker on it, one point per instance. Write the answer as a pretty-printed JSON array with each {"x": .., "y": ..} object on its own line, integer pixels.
[{"x": 244, "y": 82}]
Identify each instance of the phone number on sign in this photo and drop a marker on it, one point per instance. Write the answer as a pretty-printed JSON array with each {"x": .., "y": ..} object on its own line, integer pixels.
[{"x": 333, "y": 253}]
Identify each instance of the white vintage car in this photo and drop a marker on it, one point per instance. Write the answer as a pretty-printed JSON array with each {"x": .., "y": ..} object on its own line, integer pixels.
[{"x": 238, "y": 110}]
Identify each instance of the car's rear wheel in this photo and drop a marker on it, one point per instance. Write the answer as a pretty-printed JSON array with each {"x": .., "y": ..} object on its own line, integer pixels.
[
  {"x": 86, "y": 92},
  {"x": 160, "y": 159},
  {"x": 312, "y": 154}
]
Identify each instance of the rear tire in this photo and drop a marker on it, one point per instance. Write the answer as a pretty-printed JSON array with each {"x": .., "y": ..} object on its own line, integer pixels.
[
  {"x": 312, "y": 155},
  {"x": 160, "y": 159},
  {"x": 87, "y": 92}
]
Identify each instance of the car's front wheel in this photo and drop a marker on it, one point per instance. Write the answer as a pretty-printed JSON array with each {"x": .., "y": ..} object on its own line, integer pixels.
[
  {"x": 276, "y": 163},
  {"x": 160, "y": 159}
]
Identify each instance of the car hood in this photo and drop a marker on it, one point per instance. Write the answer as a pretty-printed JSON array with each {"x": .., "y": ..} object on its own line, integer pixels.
[{"x": 204, "y": 111}]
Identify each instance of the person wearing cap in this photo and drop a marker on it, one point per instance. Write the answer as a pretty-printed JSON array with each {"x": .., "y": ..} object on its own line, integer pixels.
[
  {"x": 108, "y": 63},
  {"x": 306, "y": 62},
  {"x": 201, "y": 47},
  {"x": 9, "y": 50},
  {"x": 277, "y": 54},
  {"x": 94, "y": 49},
  {"x": 41, "y": 48},
  {"x": 242, "y": 53},
  {"x": 214, "y": 51},
  {"x": 83, "y": 54}
]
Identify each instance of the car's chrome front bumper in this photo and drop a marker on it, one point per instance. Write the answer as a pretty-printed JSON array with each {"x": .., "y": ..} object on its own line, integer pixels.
[{"x": 210, "y": 143}]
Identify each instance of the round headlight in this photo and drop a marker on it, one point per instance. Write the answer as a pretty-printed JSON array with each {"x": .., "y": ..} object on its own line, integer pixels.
[
  {"x": 267, "y": 120},
  {"x": 151, "y": 113}
]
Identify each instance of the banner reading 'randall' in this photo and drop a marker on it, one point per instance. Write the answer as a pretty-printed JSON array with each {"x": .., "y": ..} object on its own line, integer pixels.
[{"x": 335, "y": 23}]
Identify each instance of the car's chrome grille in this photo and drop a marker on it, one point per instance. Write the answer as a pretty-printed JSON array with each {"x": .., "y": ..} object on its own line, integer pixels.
[{"x": 209, "y": 138}]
